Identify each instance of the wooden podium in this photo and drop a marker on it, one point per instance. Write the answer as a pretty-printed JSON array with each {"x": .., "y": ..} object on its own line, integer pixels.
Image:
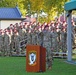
[{"x": 35, "y": 58}]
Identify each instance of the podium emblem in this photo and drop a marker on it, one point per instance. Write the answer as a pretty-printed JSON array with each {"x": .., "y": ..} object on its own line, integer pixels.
[{"x": 32, "y": 58}]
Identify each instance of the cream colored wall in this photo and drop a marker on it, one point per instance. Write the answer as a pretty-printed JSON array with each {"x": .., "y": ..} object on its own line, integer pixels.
[{"x": 5, "y": 23}]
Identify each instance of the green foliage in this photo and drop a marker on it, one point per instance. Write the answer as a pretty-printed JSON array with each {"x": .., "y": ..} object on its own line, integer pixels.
[
  {"x": 51, "y": 7},
  {"x": 13, "y": 3},
  {"x": 8, "y": 3}
]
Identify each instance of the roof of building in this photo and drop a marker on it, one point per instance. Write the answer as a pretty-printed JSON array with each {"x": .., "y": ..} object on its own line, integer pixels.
[{"x": 10, "y": 13}]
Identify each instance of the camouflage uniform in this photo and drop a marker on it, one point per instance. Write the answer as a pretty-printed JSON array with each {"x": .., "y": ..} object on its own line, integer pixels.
[
  {"x": 40, "y": 38},
  {"x": 1, "y": 44},
  {"x": 34, "y": 38},
  {"x": 22, "y": 38},
  {"x": 6, "y": 44},
  {"x": 55, "y": 41},
  {"x": 47, "y": 45},
  {"x": 28, "y": 34},
  {"x": 63, "y": 41},
  {"x": 12, "y": 43},
  {"x": 16, "y": 41},
  {"x": 73, "y": 35}
]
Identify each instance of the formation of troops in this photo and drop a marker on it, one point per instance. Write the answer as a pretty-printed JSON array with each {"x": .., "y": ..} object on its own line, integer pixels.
[{"x": 13, "y": 40}]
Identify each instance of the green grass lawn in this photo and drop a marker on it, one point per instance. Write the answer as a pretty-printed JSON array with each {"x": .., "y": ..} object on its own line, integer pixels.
[{"x": 16, "y": 66}]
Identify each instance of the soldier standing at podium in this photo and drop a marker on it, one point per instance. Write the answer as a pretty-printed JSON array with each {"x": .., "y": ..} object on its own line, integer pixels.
[{"x": 47, "y": 44}]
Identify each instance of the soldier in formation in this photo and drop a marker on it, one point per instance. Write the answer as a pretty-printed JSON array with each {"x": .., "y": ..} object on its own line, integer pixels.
[
  {"x": 47, "y": 44},
  {"x": 17, "y": 36},
  {"x": 6, "y": 43},
  {"x": 1, "y": 44}
]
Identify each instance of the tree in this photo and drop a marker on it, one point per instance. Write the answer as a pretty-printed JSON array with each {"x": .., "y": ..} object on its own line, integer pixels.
[
  {"x": 8, "y": 3},
  {"x": 13, "y": 3},
  {"x": 51, "y": 7}
]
